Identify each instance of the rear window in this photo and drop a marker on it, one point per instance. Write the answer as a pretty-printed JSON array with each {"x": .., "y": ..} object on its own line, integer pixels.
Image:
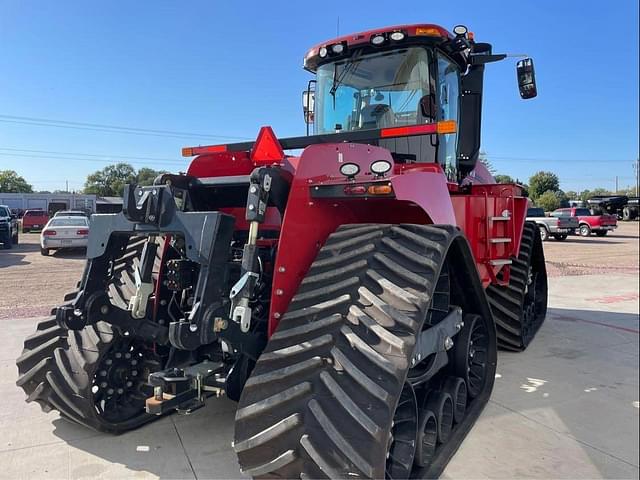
[
  {"x": 535, "y": 212},
  {"x": 69, "y": 222},
  {"x": 583, "y": 212},
  {"x": 35, "y": 213}
]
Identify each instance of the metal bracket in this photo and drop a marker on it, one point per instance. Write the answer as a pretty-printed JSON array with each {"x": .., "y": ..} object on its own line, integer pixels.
[
  {"x": 438, "y": 338},
  {"x": 184, "y": 389}
]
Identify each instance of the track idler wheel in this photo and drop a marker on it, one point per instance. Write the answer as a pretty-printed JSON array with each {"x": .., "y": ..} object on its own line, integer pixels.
[
  {"x": 427, "y": 438},
  {"x": 471, "y": 354},
  {"x": 402, "y": 440},
  {"x": 456, "y": 387}
]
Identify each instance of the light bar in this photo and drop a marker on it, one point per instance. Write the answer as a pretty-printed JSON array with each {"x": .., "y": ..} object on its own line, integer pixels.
[
  {"x": 443, "y": 127},
  {"x": 428, "y": 32},
  {"x": 193, "y": 151}
]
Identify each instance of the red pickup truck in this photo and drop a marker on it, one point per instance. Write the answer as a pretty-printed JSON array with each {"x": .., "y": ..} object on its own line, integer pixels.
[
  {"x": 34, "y": 220},
  {"x": 598, "y": 224}
]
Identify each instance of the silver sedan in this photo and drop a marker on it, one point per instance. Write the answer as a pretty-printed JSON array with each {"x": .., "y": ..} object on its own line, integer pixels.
[{"x": 64, "y": 232}]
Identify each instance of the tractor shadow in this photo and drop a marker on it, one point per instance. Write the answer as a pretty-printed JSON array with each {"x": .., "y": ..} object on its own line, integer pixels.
[
  {"x": 561, "y": 409},
  {"x": 172, "y": 447}
]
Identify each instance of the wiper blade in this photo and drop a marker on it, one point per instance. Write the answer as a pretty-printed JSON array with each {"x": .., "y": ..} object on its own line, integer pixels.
[{"x": 337, "y": 80}]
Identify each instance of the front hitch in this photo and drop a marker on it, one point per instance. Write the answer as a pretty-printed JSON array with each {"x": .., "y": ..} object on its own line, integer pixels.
[{"x": 150, "y": 212}]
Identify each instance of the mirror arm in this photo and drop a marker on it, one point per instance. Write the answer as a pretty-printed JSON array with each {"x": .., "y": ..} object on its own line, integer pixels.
[{"x": 481, "y": 59}]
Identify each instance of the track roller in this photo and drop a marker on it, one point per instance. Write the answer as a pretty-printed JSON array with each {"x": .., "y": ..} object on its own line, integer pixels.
[
  {"x": 427, "y": 438},
  {"x": 441, "y": 404},
  {"x": 457, "y": 389}
]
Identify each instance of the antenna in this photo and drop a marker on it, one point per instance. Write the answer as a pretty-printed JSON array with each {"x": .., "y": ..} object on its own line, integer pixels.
[{"x": 338, "y": 27}]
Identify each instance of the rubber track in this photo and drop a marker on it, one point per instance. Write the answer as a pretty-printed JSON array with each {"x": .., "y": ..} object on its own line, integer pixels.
[
  {"x": 57, "y": 366},
  {"x": 321, "y": 398},
  {"x": 507, "y": 302}
]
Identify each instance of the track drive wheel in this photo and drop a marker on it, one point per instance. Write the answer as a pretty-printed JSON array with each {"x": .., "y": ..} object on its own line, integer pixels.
[
  {"x": 329, "y": 396},
  {"x": 519, "y": 308},
  {"x": 94, "y": 376}
]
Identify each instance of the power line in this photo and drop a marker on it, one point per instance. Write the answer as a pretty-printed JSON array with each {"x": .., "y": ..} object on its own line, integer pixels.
[
  {"x": 81, "y": 154},
  {"x": 558, "y": 160},
  {"x": 46, "y": 122},
  {"x": 107, "y": 160}
]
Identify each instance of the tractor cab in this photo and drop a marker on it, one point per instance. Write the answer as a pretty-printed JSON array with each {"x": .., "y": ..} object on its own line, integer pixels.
[{"x": 406, "y": 76}]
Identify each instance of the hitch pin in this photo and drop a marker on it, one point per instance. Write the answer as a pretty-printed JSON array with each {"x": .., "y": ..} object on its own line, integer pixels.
[{"x": 157, "y": 393}]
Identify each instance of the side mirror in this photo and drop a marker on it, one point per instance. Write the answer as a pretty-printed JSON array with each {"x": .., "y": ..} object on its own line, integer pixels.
[
  {"x": 308, "y": 104},
  {"x": 526, "y": 78}
]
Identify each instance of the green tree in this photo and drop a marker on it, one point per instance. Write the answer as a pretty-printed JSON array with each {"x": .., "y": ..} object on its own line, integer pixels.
[
  {"x": 571, "y": 195},
  {"x": 504, "y": 179},
  {"x": 146, "y": 175},
  {"x": 110, "y": 181},
  {"x": 562, "y": 198},
  {"x": 548, "y": 201},
  {"x": 585, "y": 194},
  {"x": 542, "y": 182},
  {"x": 11, "y": 182}
]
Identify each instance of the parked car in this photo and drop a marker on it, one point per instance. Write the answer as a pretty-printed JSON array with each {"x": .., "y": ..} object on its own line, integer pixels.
[
  {"x": 34, "y": 220},
  {"x": 8, "y": 228},
  {"x": 589, "y": 221},
  {"x": 64, "y": 232},
  {"x": 70, "y": 213},
  {"x": 558, "y": 226}
]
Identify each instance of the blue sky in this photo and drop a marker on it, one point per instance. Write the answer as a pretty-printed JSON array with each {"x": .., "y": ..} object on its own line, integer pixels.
[{"x": 226, "y": 68}]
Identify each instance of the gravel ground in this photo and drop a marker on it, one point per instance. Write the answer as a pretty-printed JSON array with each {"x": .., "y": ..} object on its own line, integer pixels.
[{"x": 32, "y": 284}]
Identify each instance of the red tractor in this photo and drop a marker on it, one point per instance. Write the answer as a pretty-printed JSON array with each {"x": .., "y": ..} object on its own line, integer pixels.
[{"x": 351, "y": 298}]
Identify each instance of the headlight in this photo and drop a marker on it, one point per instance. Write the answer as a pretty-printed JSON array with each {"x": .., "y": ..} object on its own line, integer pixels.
[
  {"x": 378, "y": 39},
  {"x": 397, "y": 36},
  {"x": 338, "y": 48},
  {"x": 460, "y": 30},
  {"x": 380, "y": 167},
  {"x": 323, "y": 52},
  {"x": 349, "y": 169}
]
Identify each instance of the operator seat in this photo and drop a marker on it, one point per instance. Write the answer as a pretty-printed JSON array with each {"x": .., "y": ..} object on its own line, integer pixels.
[{"x": 376, "y": 116}]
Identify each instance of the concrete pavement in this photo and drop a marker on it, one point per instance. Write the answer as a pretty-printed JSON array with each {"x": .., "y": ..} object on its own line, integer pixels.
[{"x": 565, "y": 408}]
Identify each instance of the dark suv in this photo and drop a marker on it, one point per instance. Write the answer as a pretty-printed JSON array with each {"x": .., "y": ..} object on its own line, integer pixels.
[{"x": 8, "y": 227}]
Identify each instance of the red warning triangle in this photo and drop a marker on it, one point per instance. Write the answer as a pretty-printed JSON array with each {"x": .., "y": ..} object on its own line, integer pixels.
[{"x": 267, "y": 149}]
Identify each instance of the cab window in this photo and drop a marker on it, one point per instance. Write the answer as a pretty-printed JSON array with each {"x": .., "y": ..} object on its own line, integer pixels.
[{"x": 448, "y": 90}]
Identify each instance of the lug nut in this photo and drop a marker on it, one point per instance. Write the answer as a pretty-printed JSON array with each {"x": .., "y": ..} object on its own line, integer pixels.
[
  {"x": 108, "y": 361},
  {"x": 118, "y": 355},
  {"x": 127, "y": 356},
  {"x": 110, "y": 391},
  {"x": 134, "y": 373},
  {"x": 104, "y": 309},
  {"x": 103, "y": 385},
  {"x": 120, "y": 391},
  {"x": 129, "y": 383},
  {"x": 134, "y": 362},
  {"x": 103, "y": 373}
]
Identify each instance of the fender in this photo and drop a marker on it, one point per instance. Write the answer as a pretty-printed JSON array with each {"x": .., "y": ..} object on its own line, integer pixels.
[{"x": 308, "y": 221}]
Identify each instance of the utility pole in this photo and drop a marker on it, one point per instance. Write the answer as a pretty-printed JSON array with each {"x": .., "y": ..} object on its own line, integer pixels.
[
  {"x": 616, "y": 184},
  {"x": 67, "y": 186},
  {"x": 636, "y": 168}
]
